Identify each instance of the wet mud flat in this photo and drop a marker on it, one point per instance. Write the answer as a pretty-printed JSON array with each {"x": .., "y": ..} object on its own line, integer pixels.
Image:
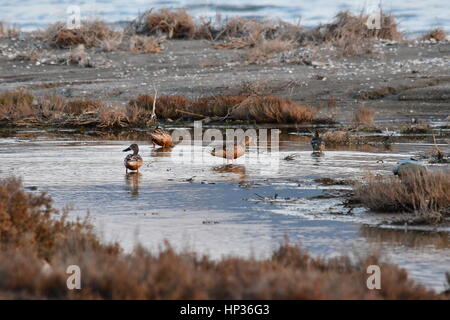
[{"x": 196, "y": 201}]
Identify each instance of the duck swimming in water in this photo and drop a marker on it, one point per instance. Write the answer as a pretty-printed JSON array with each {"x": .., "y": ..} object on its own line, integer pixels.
[
  {"x": 132, "y": 161},
  {"x": 162, "y": 138},
  {"x": 235, "y": 152},
  {"x": 317, "y": 144}
]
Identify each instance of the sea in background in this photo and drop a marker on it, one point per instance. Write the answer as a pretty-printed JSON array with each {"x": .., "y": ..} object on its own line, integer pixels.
[{"x": 414, "y": 16}]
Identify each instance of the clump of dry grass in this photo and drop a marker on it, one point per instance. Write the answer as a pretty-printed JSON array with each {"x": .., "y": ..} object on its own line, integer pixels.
[
  {"x": 337, "y": 137},
  {"x": 272, "y": 109},
  {"x": 438, "y": 34},
  {"x": 90, "y": 34},
  {"x": 19, "y": 108},
  {"x": 33, "y": 231},
  {"x": 351, "y": 35},
  {"x": 176, "y": 24},
  {"x": 144, "y": 44},
  {"x": 265, "y": 108},
  {"x": 364, "y": 116},
  {"x": 425, "y": 193}
]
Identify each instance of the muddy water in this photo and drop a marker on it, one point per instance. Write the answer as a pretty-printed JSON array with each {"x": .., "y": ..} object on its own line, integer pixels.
[{"x": 196, "y": 201}]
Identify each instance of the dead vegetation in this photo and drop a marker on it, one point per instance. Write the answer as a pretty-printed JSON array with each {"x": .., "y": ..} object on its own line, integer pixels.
[
  {"x": 20, "y": 108},
  {"x": 338, "y": 137},
  {"x": 90, "y": 34},
  {"x": 174, "y": 24},
  {"x": 437, "y": 34},
  {"x": 263, "y": 109},
  {"x": 426, "y": 194},
  {"x": 262, "y": 39},
  {"x": 144, "y": 44},
  {"x": 364, "y": 116},
  {"x": 350, "y": 34},
  {"x": 38, "y": 244}
]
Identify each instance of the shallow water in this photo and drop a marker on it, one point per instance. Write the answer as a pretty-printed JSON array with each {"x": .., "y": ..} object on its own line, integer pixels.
[
  {"x": 198, "y": 202},
  {"x": 414, "y": 16}
]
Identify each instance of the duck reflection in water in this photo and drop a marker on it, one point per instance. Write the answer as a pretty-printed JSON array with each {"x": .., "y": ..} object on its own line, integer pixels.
[
  {"x": 132, "y": 180},
  {"x": 162, "y": 152}
]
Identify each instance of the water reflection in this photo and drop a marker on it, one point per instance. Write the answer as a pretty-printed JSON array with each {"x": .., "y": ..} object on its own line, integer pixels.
[
  {"x": 409, "y": 238},
  {"x": 162, "y": 152},
  {"x": 132, "y": 180}
]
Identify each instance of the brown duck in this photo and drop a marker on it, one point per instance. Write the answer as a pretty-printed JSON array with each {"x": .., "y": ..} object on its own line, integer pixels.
[
  {"x": 133, "y": 161},
  {"x": 162, "y": 138},
  {"x": 236, "y": 152}
]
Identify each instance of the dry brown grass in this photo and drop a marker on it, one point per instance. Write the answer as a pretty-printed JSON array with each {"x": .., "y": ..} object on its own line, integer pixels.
[
  {"x": 425, "y": 193},
  {"x": 90, "y": 34},
  {"x": 37, "y": 245},
  {"x": 144, "y": 44},
  {"x": 176, "y": 24},
  {"x": 364, "y": 116},
  {"x": 435, "y": 34},
  {"x": 19, "y": 108},
  {"x": 350, "y": 34},
  {"x": 266, "y": 108},
  {"x": 337, "y": 137}
]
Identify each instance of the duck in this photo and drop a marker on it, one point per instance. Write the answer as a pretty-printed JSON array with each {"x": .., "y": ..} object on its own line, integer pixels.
[
  {"x": 161, "y": 138},
  {"x": 133, "y": 161},
  {"x": 317, "y": 144},
  {"x": 237, "y": 151},
  {"x": 408, "y": 166}
]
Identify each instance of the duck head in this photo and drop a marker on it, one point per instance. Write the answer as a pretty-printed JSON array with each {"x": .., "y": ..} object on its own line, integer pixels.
[{"x": 134, "y": 147}]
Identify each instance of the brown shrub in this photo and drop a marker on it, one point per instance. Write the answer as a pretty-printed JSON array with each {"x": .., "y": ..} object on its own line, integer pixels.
[
  {"x": 435, "y": 34},
  {"x": 79, "y": 106},
  {"x": 18, "y": 108},
  {"x": 427, "y": 193},
  {"x": 144, "y": 44},
  {"x": 337, "y": 137},
  {"x": 265, "y": 108},
  {"x": 364, "y": 116},
  {"x": 350, "y": 34},
  {"x": 31, "y": 232},
  {"x": 175, "y": 24},
  {"x": 271, "y": 109},
  {"x": 90, "y": 34},
  {"x": 14, "y": 104},
  {"x": 166, "y": 106},
  {"x": 29, "y": 221}
]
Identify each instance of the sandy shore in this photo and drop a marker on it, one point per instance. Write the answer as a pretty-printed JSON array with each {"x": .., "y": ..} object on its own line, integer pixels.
[{"x": 404, "y": 81}]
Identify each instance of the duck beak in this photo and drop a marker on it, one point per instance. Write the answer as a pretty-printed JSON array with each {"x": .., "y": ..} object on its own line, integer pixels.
[{"x": 127, "y": 149}]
